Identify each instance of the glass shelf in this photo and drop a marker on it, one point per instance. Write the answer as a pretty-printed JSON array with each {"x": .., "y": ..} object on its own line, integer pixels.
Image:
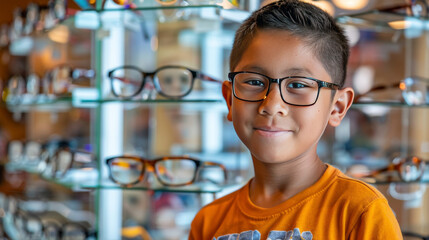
[
  {"x": 154, "y": 7},
  {"x": 79, "y": 179},
  {"x": 385, "y": 181},
  {"x": 387, "y": 104},
  {"x": 108, "y": 184},
  {"x": 57, "y": 104},
  {"x": 66, "y": 103},
  {"x": 382, "y": 21},
  {"x": 152, "y": 101}
]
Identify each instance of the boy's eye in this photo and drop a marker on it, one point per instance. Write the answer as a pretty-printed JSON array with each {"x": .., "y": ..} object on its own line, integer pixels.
[
  {"x": 255, "y": 82},
  {"x": 296, "y": 85}
]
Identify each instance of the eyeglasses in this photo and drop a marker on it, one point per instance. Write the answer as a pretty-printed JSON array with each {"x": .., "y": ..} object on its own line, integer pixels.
[
  {"x": 415, "y": 8},
  {"x": 24, "y": 152},
  {"x": 60, "y": 80},
  {"x": 414, "y": 236},
  {"x": 408, "y": 169},
  {"x": 172, "y": 82},
  {"x": 58, "y": 164},
  {"x": 294, "y": 90},
  {"x": 31, "y": 226},
  {"x": 67, "y": 231},
  {"x": 171, "y": 171}
]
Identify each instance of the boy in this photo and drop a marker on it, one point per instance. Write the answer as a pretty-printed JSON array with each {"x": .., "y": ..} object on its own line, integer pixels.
[{"x": 288, "y": 66}]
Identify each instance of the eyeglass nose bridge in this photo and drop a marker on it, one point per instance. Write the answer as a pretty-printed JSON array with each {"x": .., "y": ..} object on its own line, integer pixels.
[
  {"x": 149, "y": 87},
  {"x": 274, "y": 80}
]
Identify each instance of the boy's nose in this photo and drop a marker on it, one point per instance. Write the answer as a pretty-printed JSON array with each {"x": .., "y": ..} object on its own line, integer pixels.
[{"x": 273, "y": 103}]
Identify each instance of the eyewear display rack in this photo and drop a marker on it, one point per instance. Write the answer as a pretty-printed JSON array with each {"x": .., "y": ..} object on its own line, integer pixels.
[
  {"x": 131, "y": 36},
  {"x": 389, "y": 120},
  {"x": 121, "y": 36}
]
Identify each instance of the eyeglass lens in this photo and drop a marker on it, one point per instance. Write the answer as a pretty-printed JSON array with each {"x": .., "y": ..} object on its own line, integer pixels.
[
  {"x": 126, "y": 170},
  {"x": 415, "y": 91},
  {"x": 63, "y": 161},
  {"x": 174, "y": 82},
  {"x": 176, "y": 172},
  {"x": 410, "y": 169},
  {"x": 51, "y": 232},
  {"x": 254, "y": 87}
]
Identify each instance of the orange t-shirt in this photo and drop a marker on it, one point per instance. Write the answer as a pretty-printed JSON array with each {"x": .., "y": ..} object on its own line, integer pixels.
[{"x": 335, "y": 207}]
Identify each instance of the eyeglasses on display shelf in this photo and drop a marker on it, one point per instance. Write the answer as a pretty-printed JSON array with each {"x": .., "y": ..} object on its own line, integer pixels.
[
  {"x": 24, "y": 153},
  {"x": 61, "y": 80},
  {"x": 57, "y": 83},
  {"x": 171, "y": 82},
  {"x": 414, "y": 8},
  {"x": 414, "y": 92},
  {"x": 64, "y": 160},
  {"x": 22, "y": 223},
  {"x": 294, "y": 90},
  {"x": 414, "y": 236},
  {"x": 28, "y": 155},
  {"x": 39, "y": 17},
  {"x": 170, "y": 171},
  {"x": 33, "y": 226},
  {"x": 402, "y": 169},
  {"x": 21, "y": 91},
  {"x": 54, "y": 159}
]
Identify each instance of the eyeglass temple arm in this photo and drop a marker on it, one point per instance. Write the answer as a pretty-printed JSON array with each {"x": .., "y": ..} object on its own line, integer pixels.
[
  {"x": 205, "y": 77},
  {"x": 214, "y": 164},
  {"x": 376, "y": 88},
  {"x": 381, "y": 170},
  {"x": 126, "y": 80},
  {"x": 411, "y": 234}
]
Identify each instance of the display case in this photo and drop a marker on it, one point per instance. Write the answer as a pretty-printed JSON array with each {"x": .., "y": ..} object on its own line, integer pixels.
[
  {"x": 384, "y": 138},
  {"x": 84, "y": 115},
  {"x": 382, "y": 124}
]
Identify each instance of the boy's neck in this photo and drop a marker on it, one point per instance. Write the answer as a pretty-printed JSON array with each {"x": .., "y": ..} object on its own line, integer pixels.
[{"x": 276, "y": 183}]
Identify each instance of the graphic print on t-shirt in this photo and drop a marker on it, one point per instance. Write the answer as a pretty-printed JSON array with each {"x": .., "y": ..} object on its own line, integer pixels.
[{"x": 274, "y": 235}]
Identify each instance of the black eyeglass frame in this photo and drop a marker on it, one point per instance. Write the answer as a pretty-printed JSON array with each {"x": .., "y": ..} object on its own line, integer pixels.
[
  {"x": 195, "y": 74},
  {"x": 152, "y": 163},
  {"x": 320, "y": 84}
]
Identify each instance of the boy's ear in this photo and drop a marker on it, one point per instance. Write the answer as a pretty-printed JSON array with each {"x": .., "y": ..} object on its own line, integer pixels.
[
  {"x": 341, "y": 104},
  {"x": 227, "y": 95}
]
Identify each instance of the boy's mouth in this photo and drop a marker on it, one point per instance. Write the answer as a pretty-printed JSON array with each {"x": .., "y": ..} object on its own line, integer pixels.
[{"x": 269, "y": 130}]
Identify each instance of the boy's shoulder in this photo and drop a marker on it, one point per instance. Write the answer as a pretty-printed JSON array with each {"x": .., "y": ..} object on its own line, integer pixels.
[
  {"x": 355, "y": 187},
  {"x": 352, "y": 193},
  {"x": 334, "y": 187}
]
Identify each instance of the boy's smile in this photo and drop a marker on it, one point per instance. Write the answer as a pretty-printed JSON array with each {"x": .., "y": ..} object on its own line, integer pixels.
[{"x": 273, "y": 130}]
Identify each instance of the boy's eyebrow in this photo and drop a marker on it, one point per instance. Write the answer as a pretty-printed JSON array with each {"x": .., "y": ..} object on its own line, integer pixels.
[
  {"x": 294, "y": 71},
  {"x": 298, "y": 71}
]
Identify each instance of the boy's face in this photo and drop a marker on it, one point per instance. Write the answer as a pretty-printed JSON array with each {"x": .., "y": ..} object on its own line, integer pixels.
[{"x": 273, "y": 130}]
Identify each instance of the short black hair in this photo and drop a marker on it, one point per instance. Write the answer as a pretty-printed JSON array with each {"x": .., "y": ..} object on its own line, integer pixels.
[{"x": 314, "y": 26}]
